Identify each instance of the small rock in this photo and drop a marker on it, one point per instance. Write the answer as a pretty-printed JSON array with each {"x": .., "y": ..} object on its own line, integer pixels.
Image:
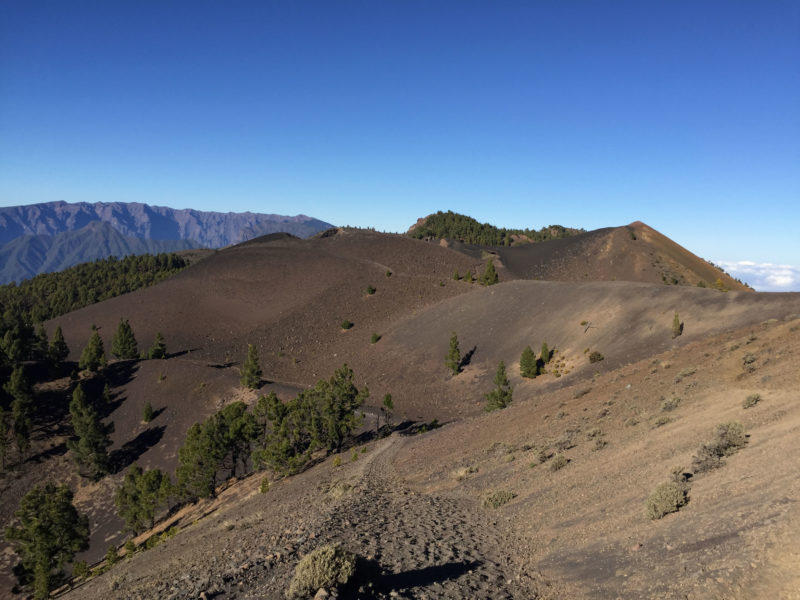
[
  {"x": 636, "y": 547},
  {"x": 321, "y": 594}
]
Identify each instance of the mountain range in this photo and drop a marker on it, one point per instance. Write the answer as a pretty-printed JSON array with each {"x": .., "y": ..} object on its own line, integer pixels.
[{"x": 41, "y": 238}]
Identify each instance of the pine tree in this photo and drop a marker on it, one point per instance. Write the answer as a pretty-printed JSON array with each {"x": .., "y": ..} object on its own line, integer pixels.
[
  {"x": 677, "y": 326},
  {"x": 47, "y": 533},
  {"x": 500, "y": 396},
  {"x": 93, "y": 356},
  {"x": 334, "y": 405},
  {"x": 141, "y": 496},
  {"x": 453, "y": 358},
  {"x": 199, "y": 459},
  {"x": 546, "y": 354},
  {"x": 251, "y": 371},
  {"x": 528, "y": 366},
  {"x": 19, "y": 388},
  {"x": 489, "y": 276},
  {"x": 387, "y": 409},
  {"x": 159, "y": 347},
  {"x": 124, "y": 345},
  {"x": 90, "y": 449},
  {"x": 58, "y": 351},
  {"x": 147, "y": 413}
]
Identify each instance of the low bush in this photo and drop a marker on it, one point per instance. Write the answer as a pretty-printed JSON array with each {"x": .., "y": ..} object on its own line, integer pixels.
[
  {"x": 346, "y": 324},
  {"x": 667, "y": 498},
  {"x": 371, "y": 289},
  {"x": 326, "y": 567},
  {"x": 559, "y": 462},
  {"x": 498, "y": 498},
  {"x": 671, "y": 404},
  {"x": 375, "y": 338},
  {"x": 595, "y": 357},
  {"x": 728, "y": 439},
  {"x": 751, "y": 401}
]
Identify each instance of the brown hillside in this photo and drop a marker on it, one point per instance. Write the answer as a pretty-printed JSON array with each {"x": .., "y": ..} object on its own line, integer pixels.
[
  {"x": 576, "y": 533},
  {"x": 636, "y": 252}
]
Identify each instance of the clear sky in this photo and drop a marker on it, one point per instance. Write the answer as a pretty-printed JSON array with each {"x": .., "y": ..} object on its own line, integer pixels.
[{"x": 682, "y": 114}]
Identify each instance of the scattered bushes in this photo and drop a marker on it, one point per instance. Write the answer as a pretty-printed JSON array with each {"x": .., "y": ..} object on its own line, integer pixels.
[
  {"x": 326, "y": 567},
  {"x": 667, "y": 498}
]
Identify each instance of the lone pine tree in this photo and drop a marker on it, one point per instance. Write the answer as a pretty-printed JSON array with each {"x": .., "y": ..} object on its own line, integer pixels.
[
  {"x": 124, "y": 345},
  {"x": 251, "y": 371},
  {"x": 19, "y": 388},
  {"x": 489, "y": 276},
  {"x": 528, "y": 366},
  {"x": 94, "y": 355},
  {"x": 453, "y": 358},
  {"x": 159, "y": 347},
  {"x": 500, "y": 396}
]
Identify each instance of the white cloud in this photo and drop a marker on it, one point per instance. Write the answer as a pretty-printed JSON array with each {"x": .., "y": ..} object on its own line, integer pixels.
[{"x": 764, "y": 277}]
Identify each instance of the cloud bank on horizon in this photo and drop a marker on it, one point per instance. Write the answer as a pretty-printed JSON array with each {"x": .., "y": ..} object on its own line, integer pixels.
[{"x": 765, "y": 277}]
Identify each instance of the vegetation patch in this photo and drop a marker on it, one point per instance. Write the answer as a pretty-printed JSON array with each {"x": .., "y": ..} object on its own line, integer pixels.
[
  {"x": 667, "y": 498},
  {"x": 346, "y": 324},
  {"x": 327, "y": 567},
  {"x": 595, "y": 357},
  {"x": 559, "y": 462},
  {"x": 498, "y": 498},
  {"x": 728, "y": 439},
  {"x": 751, "y": 401},
  {"x": 670, "y": 404}
]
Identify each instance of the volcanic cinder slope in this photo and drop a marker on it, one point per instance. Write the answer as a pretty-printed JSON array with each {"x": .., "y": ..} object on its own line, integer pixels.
[{"x": 412, "y": 505}]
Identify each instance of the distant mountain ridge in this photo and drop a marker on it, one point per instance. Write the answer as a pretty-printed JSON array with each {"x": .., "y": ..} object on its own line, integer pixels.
[
  {"x": 133, "y": 219},
  {"x": 30, "y": 255},
  {"x": 42, "y": 238}
]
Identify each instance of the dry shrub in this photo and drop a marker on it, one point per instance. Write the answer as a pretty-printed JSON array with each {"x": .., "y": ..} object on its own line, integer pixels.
[
  {"x": 559, "y": 462},
  {"x": 751, "y": 401},
  {"x": 728, "y": 439},
  {"x": 326, "y": 567},
  {"x": 498, "y": 498},
  {"x": 667, "y": 498}
]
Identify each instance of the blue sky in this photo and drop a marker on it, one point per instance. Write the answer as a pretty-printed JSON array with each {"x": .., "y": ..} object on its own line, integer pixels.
[{"x": 681, "y": 114}]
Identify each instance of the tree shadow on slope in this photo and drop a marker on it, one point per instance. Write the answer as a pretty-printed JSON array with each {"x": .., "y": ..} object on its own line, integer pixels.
[
  {"x": 131, "y": 451},
  {"x": 467, "y": 358},
  {"x": 373, "y": 582}
]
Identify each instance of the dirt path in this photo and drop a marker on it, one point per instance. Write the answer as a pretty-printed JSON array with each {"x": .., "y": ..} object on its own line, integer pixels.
[
  {"x": 426, "y": 545},
  {"x": 413, "y": 545}
]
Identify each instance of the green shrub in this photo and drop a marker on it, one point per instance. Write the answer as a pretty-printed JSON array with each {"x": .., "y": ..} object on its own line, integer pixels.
[
  {"x": 346, "y": 324},
  {"x": 130, "y": 548},
  {"x": 264, "y": 486},
  {"x": 371, "y": 290},
  {"x": 375, "y": 338},
  {"x": 595, "y": 356},
  {"x": 80, "y": 569},
  {"x": 751, "y": 401},
  {"x": 147, "y": 413},
  {"x": 498, "y": 498},
  {"x": 559, "y": 462},
  {"x": 667, "y": 498},
  {"x": 326, "y": 567},
  {"x": 388, "y": 273}
]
